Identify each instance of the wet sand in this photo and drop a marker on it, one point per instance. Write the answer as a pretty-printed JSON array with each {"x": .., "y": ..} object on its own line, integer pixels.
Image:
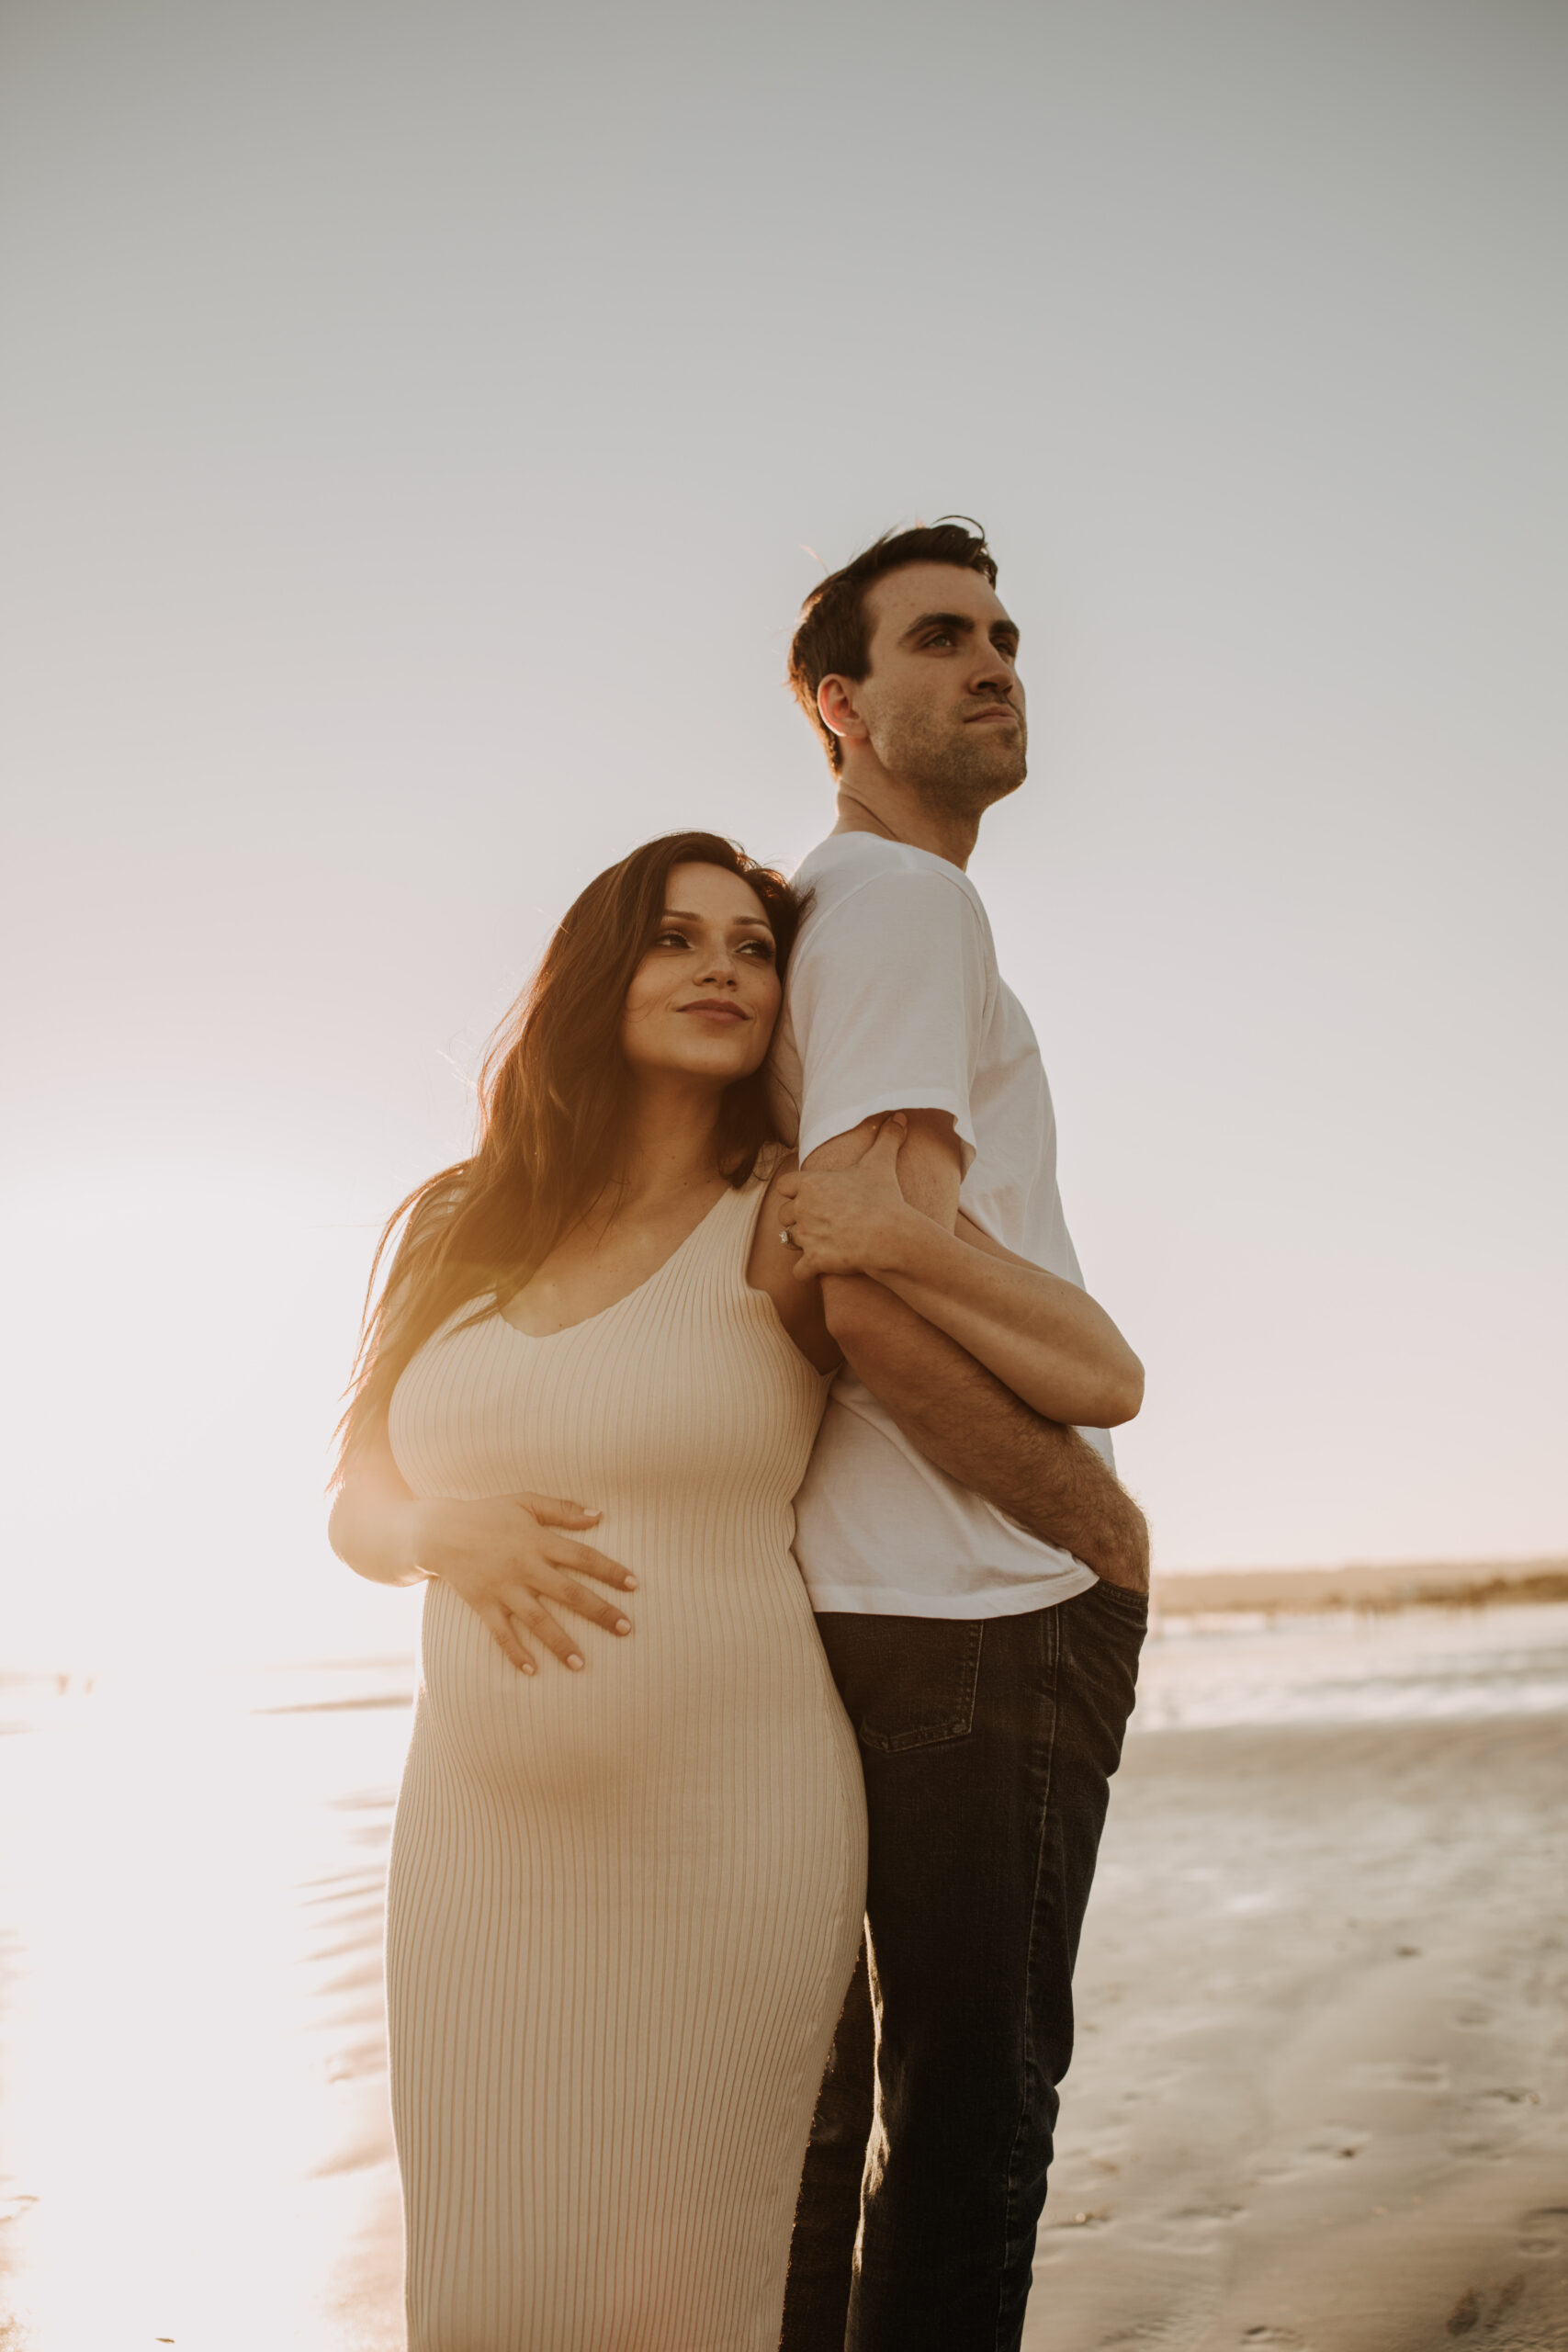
[
  {"x": 1320, "y": 2100},
  {"x": 1321, "y": 2096}
]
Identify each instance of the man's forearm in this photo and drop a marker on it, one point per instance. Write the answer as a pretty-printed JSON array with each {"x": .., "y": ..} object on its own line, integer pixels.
[{"x": 973, "y": 1428}]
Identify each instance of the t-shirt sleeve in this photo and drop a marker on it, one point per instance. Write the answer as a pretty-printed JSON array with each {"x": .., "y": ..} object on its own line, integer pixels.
[{"x": 888, "y": 1001}]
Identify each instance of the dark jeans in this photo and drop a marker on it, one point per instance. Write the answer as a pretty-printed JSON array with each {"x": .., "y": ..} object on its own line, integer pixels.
[{"x": 989, "y": 1746}]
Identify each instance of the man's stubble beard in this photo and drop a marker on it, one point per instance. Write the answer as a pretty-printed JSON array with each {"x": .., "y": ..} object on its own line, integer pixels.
[{"x": 956, "y": 773}]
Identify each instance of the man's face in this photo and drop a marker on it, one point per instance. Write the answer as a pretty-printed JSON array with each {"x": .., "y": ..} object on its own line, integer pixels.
[{"x": 942, "y": 700}]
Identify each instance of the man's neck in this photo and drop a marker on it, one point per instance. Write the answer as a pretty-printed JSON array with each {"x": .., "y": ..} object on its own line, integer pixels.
[{"x": 894, "y": 809}]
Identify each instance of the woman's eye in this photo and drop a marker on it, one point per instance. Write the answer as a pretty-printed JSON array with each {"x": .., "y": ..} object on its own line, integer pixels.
[
  {"x": 671, "y": 939},
  {"x": 762, "y": 949}
]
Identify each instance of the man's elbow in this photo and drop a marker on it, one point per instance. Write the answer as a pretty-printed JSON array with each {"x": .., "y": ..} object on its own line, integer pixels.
[{"x": 1123, "y": 1398}]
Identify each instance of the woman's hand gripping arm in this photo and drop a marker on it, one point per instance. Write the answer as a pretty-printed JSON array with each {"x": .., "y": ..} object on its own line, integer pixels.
[
  {"x": 1043, "y": 1336},
  {"x": 501, "y": 1554}
]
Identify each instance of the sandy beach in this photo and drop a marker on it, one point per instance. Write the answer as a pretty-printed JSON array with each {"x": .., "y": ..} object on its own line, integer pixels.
[{"x": 1320, "y": 2100}]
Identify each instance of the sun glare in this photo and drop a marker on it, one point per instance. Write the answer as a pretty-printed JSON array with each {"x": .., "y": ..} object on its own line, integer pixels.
[{"x": 200, "y": 2145}]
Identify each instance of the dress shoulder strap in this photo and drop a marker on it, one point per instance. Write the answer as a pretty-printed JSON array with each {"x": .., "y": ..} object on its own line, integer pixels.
[{"x": 735, "y": 1223}]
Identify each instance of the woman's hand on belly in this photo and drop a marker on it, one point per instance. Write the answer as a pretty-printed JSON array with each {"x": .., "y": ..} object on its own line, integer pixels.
[{"x": 501, "y": 1557}]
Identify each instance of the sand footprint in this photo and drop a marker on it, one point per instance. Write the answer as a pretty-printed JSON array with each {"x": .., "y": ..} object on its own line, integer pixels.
[
  {"x": 1545, "y": 2230},
  {"x": 1471, "y": 2308},
  {"x": 1401, "y": 2074},
  {"x": 1331, "y": 2143}
]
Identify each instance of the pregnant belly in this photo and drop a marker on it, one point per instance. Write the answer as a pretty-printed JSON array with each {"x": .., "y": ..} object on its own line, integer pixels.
[{"x": 707, "y": 1658}]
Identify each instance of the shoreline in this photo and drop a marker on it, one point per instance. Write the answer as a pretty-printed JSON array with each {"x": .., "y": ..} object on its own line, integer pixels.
[{"x": 1320, "y": 2098}]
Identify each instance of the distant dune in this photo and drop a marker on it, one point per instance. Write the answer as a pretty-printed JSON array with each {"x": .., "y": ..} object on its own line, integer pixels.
[{"x": 1454, "y": 1584}]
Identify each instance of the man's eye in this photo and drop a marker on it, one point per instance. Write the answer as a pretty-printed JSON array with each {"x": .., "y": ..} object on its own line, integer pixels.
[{"x": 939, "y": 637}]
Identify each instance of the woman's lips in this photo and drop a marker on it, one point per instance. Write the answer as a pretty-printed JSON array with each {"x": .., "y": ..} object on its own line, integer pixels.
[{"x": 713, "y": 1011}]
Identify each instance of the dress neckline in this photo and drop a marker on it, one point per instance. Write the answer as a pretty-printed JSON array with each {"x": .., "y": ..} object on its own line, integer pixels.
[{"x": 543, "y": 1339}]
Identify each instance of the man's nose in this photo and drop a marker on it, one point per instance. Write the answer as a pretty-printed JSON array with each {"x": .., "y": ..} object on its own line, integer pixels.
[{"x": 993, "y": 672}]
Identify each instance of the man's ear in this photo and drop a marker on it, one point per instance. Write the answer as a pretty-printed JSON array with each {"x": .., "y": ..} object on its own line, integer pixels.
[{"x": 835, "y": 702}]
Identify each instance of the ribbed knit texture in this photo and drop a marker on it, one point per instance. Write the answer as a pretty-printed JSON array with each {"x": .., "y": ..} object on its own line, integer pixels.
[{"x": 625, "y": 1903}]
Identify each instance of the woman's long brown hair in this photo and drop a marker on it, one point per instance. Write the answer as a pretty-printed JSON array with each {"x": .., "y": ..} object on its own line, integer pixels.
[{"x": 552, "y": 1097}]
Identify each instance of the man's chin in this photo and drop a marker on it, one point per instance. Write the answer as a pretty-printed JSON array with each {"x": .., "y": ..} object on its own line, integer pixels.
[
  {"x": 1009, "y": 780},
  {"x": 968, "y": 787}
]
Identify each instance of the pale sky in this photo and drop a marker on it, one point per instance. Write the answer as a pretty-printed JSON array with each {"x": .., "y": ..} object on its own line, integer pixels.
[{"x": 423, "y": 422}]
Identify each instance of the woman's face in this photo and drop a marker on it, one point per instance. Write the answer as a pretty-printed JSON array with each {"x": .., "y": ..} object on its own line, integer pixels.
[{"x": 704, "y": 998}]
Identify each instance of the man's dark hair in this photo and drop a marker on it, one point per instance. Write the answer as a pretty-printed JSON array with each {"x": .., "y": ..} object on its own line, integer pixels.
[{"x": 834, "y": 639}]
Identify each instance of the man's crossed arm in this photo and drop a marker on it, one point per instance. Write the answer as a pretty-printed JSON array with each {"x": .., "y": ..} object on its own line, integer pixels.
[{"x": 960, "y": 1416}]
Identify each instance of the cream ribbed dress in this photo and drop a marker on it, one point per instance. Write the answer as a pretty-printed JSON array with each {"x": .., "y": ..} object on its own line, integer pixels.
[{"x": 625, "y": 1903}]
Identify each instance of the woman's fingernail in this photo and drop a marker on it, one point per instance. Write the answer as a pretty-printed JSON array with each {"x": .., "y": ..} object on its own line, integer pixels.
[
  {"x": 528, "y": 1666},
  {"x": 622, "y": 1624},
  {"x": 629, "y": 1584},
  {"x": 575, "y": 1663}
]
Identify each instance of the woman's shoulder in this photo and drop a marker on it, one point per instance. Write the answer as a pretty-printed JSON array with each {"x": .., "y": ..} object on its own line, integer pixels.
[
  {"x": 475, "y": 1313},
  {"x": 770, "y": 1264},
  {"x": 774, "y": 1159}
]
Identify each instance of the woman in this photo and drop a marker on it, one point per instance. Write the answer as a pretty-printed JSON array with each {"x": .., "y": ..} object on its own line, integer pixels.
[{"x": 625, "y": 1898}]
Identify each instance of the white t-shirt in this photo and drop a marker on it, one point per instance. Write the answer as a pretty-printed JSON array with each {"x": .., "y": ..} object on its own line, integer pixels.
[{"x": 894, "y": 1003}]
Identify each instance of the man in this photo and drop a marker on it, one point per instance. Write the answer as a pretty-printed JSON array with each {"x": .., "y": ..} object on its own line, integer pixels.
[{"x": 980, "y": 1577}]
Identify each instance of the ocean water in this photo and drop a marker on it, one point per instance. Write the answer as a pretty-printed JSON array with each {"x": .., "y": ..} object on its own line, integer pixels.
[
  {"x": 195, "y": 2141},
  {"x": 194, "y": 2132},
  {"x": 1354, "y": 1666}
]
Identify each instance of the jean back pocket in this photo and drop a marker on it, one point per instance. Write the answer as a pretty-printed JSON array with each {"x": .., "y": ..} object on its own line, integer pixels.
[{"x": 924, "y": 1691}]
